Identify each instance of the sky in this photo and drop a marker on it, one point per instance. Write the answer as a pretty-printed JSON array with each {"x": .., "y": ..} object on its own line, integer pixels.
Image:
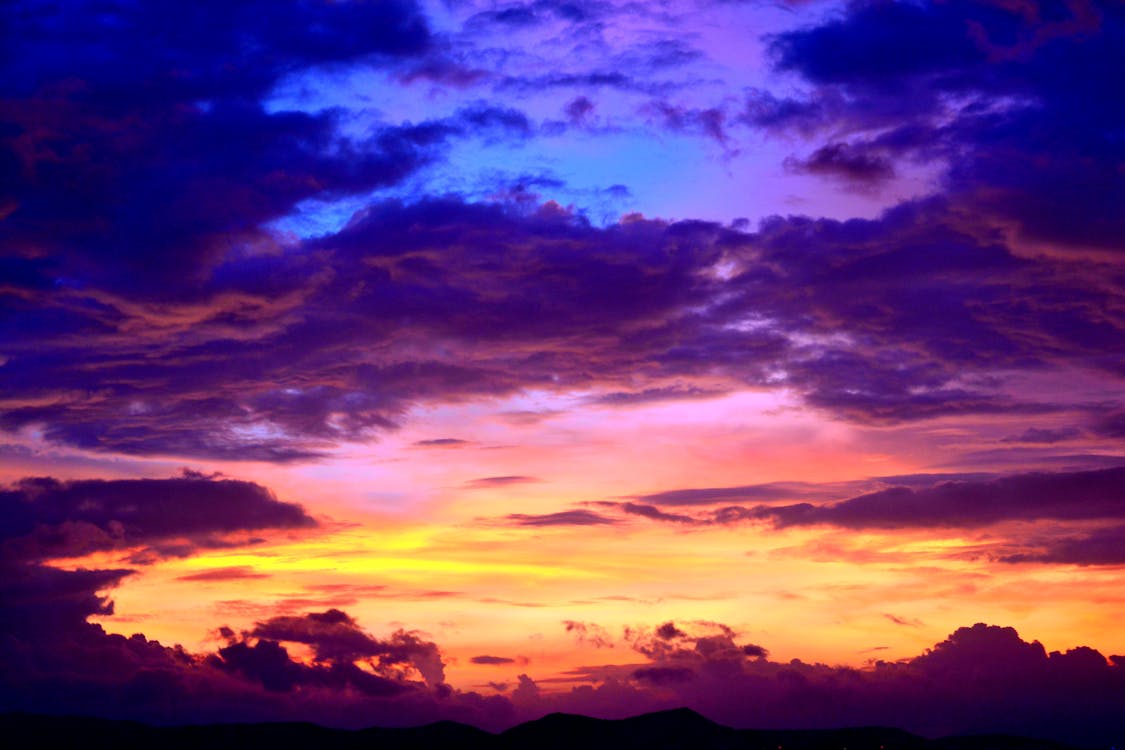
[{"x": 376, "y": 363}]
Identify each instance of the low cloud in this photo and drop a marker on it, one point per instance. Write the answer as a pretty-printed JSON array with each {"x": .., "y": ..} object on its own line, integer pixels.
[
  {"x": 562, "y": 518},
  {"x": 45, "y": 518},
  {"x": 492, "y": 660}
]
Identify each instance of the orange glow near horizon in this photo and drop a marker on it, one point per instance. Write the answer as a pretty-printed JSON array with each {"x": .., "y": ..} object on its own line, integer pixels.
[{"x": 408, "y": 540}]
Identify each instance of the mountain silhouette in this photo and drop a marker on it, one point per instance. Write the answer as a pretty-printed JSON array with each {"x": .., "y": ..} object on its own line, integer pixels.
[{"x": 663, "y": 730}]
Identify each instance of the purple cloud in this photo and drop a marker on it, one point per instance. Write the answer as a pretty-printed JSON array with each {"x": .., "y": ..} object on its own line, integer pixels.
[
  {"x": 336, "y": 638},
  {"x": 495, "y": 283},
  {"x": 561, "y": 518},
  {"x": 1032, "y": 85},
  {"x": 858, "y": 166},
  {"x": 1064, "y": 496},
  {"x": 663, "y": 675},
  {"x": 1046, "y": 436},
  {"x": 442, "y": 443},
  {"x": 236, "y": 573},
  {"x": 1099, "y": 547},
  {"x": 45, "y": 517},
  {"x": 492, "y": 660},
  {"x": 502, "y": 481}
]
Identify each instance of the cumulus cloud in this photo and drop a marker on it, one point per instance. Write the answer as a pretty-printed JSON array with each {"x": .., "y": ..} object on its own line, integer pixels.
[
  {"x": 981, "y": 679},
  {"x": 336, "y": 638}
]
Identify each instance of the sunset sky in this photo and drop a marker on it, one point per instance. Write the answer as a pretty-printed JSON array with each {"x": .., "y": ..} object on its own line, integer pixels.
[{"x": 387, "y": 362}]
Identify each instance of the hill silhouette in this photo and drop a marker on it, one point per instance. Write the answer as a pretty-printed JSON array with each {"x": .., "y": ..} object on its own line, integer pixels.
[{"x": 663, "y": 730}]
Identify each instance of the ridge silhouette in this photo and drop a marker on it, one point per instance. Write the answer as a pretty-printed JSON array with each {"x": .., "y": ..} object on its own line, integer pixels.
[{"x": 662, "y": 730}]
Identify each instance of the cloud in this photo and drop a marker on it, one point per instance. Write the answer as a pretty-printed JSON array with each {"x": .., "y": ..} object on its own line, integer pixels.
[
  {"x": 993, "y": 89},
  {"x": 561, "y": 518},
  {"x": 1063, "y": 496},
  {"x": 268, "y": 663},
  {"x": 236, "y": 573},
  {"x": 237, "y": 341},
  {"x": 102, "y": 92},
  {"x": 1104, "y": 546},
  {"x": 43, "y": 601},
  {"x": 668, "y": 631},
  {"x": 857, "y": 166},
  {"x": 657, "y": 395},
  {"x": 1111, "y": 425},
  {"x": 336, "y": 638},
  {"x": 52, "y": 655},
  {"x": 254, "y": 363},
  {"x": 663, "y": 675},
  {"x": 46, "y": 518},
  {"x": 769, "y": 492},
  {"x": 492, "y": 660},
  {"x": 904, "y": 621},
  {"x": 1046, "y": 436},
  {"x": 655, "y": 514},
  {"x": 503, "y": 481},
  {"x": 579, "y": 109},
  {"x": 980, "y": 679},
  {"x": 442, "y": 443},
  {"x": 710, "y": 122},
  {"x": 1072, "y": 500},
  {"x": 589, "y": 632}
]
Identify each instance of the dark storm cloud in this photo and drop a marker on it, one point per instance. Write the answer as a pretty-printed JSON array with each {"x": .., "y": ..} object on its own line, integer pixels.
[
  {"x": 138, "y": 136},
  {"x": 39, "y": 600},
  {"x": 902, "y": 350},
  {"x": 46, "y": 518},
  {"x": 279, "y": 357},
  {"x": 1018, "y": 101},
  {"x": 233, "y": 343},
  {"x": 276, "y": 361}
]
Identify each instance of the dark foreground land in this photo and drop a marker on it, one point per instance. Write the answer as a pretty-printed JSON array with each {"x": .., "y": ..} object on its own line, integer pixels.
[{"x": 664, "y": 730}]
